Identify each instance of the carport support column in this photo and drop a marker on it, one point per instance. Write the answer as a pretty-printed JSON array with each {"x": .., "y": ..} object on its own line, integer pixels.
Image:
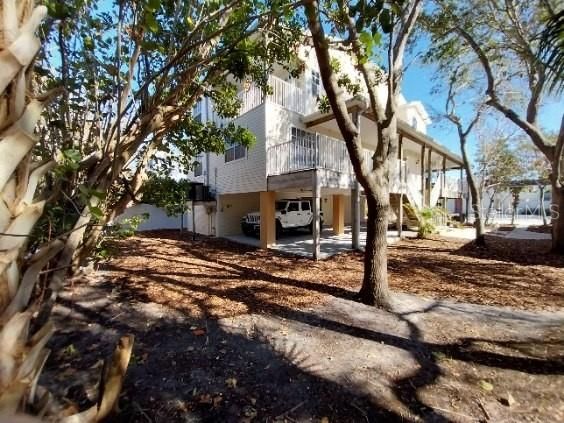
[
  {"x": 338, "y": 214},
  {"x": 429, "y": 175},
  {"x": 316, "y": 204},
  {"x": 267, "y": 219},
  {"x": 402, "y": 187},
  {"x": 355, "y": 215},
  {"x": 423, "y": 184}
]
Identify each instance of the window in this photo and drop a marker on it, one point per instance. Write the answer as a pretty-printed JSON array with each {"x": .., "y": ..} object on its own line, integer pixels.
[
  {"x": 198, "y": 167},
  {"x": 305, "y": 205},
  {"x": 314, "y": 83},
  {"x": 280, "y": 205},
  {"x": 234, "y": 152},
  {"x": 414, "y": 122},
  {"x": 294, "y": 206},
  {"x": 197, "y": 111}
]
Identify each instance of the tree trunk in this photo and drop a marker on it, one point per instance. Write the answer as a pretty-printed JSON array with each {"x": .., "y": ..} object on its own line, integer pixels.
[
  {"x": 541, "y": 200},
  {"x": 557, "y": 218},
  {"x": 375, "y": 290},
  {"x": 476, "y": 199},
  {"x": 515, "y": 205},
  {"x": 477, "y": 209},
  {"x": 490, "y": 206}
]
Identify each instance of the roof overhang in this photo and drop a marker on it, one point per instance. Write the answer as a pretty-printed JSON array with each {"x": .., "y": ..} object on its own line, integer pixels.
[{"x": 360, "y": 104}]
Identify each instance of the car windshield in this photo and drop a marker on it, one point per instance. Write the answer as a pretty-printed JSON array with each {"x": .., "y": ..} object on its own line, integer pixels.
[{"x": 280, "y": 205}]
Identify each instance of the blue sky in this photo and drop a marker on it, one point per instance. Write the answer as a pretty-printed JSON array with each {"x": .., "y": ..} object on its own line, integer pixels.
[{"x": 417, "y": 85}]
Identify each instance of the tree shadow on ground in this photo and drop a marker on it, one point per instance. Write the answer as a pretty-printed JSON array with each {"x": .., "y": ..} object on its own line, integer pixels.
[
  {"x": 277, "y": 392},
  {"x": 192, "y": 370},
  {"x": 524, "y": 252},
  {"x": 486, "y": 280}
]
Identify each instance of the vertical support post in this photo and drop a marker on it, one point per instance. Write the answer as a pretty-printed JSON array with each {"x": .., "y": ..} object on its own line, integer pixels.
[
  {"x": 423, "y": 195},
  {"x": 355, "y": 198},
  {"x": 338, "y": 214},
  {"x": 429, "y": 175},
  {"x": 443, "y": 191},
  {"x": 401, "y": 178},
  {"x": 461, "y": 183},
  {"x": 316, "y": 200},
  {"x": 193, "y": 221},
  {"x": 467, "y": 200},
  {"x": 355, "y": 214},
  {"x": 267, "y": 219}
]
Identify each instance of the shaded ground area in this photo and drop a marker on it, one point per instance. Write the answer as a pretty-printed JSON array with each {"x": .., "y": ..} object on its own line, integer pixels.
[
  {"x": 543, "y": 229},
  {"x": 220, "y": 274},
  {"x": 227, "y": 333}
]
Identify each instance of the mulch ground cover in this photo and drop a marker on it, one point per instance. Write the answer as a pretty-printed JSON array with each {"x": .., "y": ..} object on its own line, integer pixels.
[{"x": 224, "y": 278}]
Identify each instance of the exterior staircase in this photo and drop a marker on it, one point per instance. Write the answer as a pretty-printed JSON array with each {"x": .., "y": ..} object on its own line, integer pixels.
[{"x": 410, "y": 218}]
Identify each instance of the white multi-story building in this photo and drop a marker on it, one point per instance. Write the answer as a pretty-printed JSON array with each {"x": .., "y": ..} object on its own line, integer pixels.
[{"x": 299, "y": 153}]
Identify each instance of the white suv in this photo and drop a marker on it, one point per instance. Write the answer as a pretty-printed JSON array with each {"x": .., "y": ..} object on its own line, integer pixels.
[{"x": 290, "y": 214}]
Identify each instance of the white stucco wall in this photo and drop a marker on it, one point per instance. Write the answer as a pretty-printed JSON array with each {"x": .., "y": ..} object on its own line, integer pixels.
[
  {"x": 158, "y": 219},
  {"x": 204, "y": 218},
  {"x": 230, "y": 210}
]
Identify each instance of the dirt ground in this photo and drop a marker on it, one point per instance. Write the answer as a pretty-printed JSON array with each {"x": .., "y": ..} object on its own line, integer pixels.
[{"x": 229, "y": 333}]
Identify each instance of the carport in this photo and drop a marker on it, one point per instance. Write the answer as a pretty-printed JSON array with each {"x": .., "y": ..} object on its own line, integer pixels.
[{"x": 330, "y": 243}]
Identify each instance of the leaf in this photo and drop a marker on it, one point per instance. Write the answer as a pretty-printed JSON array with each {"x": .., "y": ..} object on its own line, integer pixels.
[
  {"x": 151, "y": 23},
  {"x": 153, "y": 5},
  {"x": 386, "y": 21},
  {"x": 366, "y": 39},
  {"x": 96, "y": 212},
  {"x": 486, "y": 386},
  {"x": 231, "y": 382},
  {"x": 377, "y": 38}
]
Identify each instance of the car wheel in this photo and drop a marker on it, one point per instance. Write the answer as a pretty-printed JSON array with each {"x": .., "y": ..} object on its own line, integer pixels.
[{"x": 278, "y": 229}]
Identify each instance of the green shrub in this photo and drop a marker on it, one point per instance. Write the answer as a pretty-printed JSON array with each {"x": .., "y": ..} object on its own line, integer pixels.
[{"x": 427, "y": 217}]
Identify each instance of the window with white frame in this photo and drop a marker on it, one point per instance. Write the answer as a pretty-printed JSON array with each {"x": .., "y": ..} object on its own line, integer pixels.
[
  {"x": 197, "y": 111},
  {"x": 315, "y": 83},
  {"x": 234, "y": 151}
]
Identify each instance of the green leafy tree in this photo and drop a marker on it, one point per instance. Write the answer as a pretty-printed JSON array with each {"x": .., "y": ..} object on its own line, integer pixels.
[
  {"x": 459, "y": 85},
  {"x": 166, "y": 193},
  {"x": 504, "y": 40},
  {"x": 134, "y": 72},
  {"x": 24, "y": 265},
  {"x": 552, "y": 49},
  {"x": 497, "y": 164},
  {"x": 537, "y": 170},
  {"x": 361, "y": 29}
]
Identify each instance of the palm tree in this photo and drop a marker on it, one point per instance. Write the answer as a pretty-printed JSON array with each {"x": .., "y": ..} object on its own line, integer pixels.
[
  {"x": 23, "y": 352},
  {"x": 552, "y": 50}
]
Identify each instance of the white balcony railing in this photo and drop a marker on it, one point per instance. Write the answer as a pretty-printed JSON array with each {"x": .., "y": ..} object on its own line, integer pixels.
[
  {"x": 283, "y": 93},
  {"x": 318, "y": 152},
  {"x": 287, "y": 95}
]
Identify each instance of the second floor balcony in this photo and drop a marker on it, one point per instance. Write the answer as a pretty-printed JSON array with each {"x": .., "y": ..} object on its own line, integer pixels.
[
  {"x": 320, "y": 152},
  {"x": 283, "y": 93}
]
